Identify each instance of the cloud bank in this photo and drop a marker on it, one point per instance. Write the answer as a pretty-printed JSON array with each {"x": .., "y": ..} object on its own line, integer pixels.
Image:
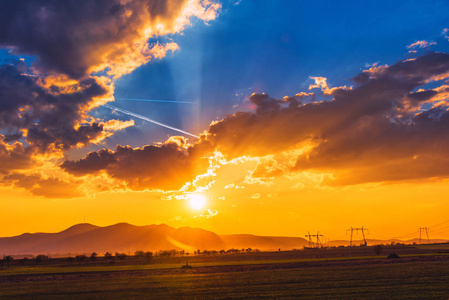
[
  {"x": 77, "y": 38},
  {"x": 388, "y": 127},
  {"x": 79, "y": 48},
  {"x": 391, "y": 125}
]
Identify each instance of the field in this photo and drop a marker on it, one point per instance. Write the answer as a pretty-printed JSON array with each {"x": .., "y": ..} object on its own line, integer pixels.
[{"x": 418, "y": 274}]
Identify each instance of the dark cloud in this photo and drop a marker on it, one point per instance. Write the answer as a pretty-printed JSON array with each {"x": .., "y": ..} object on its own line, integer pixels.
[
  {"x": 15, "y": 156},
  {"x": 376, "y": 131},
  {"x": 50, "y": 187},
  {"x": 166, "y": 166},
  {"x": 50, "y": 117},
  {"x": 72, "y": 41},
  {"x": 76, "y": 37},
  {"x": 373, "y": 132},
  {"x": 12, "y": 137}
]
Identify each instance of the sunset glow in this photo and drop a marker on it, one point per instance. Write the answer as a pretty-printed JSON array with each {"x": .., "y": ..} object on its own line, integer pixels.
[
  {"x": 258, "y": 117},
  {"x": 197, "y": 201},
  {"x": 244, "y": 149}
]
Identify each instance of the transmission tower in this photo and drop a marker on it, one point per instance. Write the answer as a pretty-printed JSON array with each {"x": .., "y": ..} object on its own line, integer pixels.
[
  {"x": 318, "y": 243},
  {"x": 310, "y": 239},
  {"x": 362, "y": 229},
  {"x": 426, "y": 230}
]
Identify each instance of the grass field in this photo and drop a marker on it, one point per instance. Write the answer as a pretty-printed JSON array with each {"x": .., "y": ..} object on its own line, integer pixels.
[
  {"x": 28, "y": 270},
  {"x": 413, "y": 277}
]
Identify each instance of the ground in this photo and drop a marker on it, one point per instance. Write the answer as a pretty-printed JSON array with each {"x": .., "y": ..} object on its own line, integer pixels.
[{"x": 290, "y": 274}]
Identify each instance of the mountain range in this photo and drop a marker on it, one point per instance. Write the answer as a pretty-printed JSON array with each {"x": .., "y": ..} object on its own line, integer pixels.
[{"x": 127, "y": 238}]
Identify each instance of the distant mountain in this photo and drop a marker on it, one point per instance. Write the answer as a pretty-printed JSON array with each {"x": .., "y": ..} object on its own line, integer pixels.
[
  {"x": 123, "y": 237},
  {"x": 371, "y": 242},
  {"x": 240, "y": 241}
]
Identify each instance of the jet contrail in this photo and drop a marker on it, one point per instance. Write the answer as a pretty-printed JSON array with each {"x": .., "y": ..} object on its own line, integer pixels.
[
  {"x": 151, "y": 100},
  {"x": 147, "y": 119}
]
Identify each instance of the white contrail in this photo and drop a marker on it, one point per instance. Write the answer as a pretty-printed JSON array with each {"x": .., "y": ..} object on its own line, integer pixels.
[
  {"x": 147, "y": 119},
  {"x": 153, "y": 100}
]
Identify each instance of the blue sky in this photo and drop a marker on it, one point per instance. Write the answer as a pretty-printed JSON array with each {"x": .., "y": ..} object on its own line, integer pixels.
[
  {"x": 271, "y": 47},
  {"x": 267, "y": 46}
]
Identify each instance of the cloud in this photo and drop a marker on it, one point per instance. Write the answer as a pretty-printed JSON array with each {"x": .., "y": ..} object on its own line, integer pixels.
[
  {"x": 80, "y": 47},
  {"x": 48, "y": 118},
  {"x": 207, "y": 213},
  {"x": 445, "y": 33},
  {"x": 166, "y": 166},
  {"x": 48, "y": 103},
  {"x": 321, "y": 83},
  {"x": 420, "y": 45},
  {"x": 50, "y": 187},
  {"x": 388, "y": 127},
  {"x": 80, "y": 37},
  {"x": 369, "y": 133},
  {"x": 15, "y": 156}
]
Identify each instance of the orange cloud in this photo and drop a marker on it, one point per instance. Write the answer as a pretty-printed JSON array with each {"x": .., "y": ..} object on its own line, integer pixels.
[
  {"x": 15, "y": 156},
  {"x": 46, "y": 106},
  {"x": 90, "y": 37},
  {"x": 364, "y": 134},
  {"x": 321, "y": 83},
  {"x": 421, "y": 44},
  {"x": 50, "y": 187},
  {"x": 165, "y": 166}
]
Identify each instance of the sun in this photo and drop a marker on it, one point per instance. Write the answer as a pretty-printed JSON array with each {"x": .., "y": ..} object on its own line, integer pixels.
[{"x": 197, "y": 201}]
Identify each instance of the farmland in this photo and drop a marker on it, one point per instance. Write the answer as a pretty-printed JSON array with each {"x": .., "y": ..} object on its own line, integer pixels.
[{"x": 333, "y": 273}]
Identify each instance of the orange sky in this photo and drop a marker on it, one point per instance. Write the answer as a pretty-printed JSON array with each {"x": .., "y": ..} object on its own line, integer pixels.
[
  {"x": 371, "y": 152},
  {"x": 387, "y": 210}
]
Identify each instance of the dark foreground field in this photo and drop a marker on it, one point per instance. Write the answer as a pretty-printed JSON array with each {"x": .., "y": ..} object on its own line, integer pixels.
[{"x": 413, "y": 277}]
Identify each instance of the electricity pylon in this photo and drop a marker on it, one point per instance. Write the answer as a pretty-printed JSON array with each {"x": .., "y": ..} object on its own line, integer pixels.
[
  {"x": 310, "y": 239},
  {"x": 421, "y": 229},
  {"x": 362, "y": 229},
  {"x": 318, "y": 241}
]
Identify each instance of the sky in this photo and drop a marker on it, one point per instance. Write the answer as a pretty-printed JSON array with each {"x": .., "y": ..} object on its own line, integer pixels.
[{"x": 262, "y": 117}]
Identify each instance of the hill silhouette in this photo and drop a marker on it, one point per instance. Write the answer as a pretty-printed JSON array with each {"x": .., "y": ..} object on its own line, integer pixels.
[{"x": 127, "y": 238}]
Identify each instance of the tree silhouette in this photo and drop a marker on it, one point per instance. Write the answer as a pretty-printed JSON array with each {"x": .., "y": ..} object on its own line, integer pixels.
[
  {"x": 148, "y": 256},
  {"x": 139, "y": 254},
  {"x": 109, "y": 258},
  {"x": 80, "y": 258},
  {"x": 120, "y": 256},
  {"x": 40, "y": 258},
  {"x": 93, "y": 257}
]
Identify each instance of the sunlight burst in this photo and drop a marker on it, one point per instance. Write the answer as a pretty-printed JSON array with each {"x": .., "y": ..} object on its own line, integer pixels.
[{"x": 197, "y": 201}]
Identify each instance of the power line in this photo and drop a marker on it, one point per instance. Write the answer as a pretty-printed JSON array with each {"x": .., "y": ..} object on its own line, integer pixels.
[
  {"x": 441, "y": 230},
  {"x": 439, "y": 224}
]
